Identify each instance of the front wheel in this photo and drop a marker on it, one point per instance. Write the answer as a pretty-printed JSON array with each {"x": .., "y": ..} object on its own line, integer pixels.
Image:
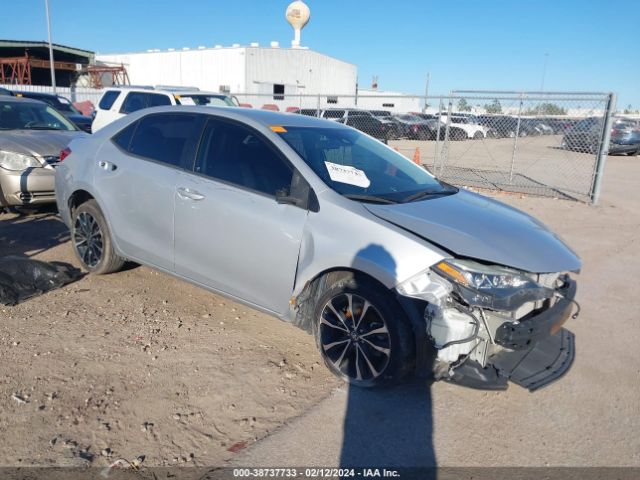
[
  {"x": 92, "y": 240},
  {"x": 362, "y": 333}
]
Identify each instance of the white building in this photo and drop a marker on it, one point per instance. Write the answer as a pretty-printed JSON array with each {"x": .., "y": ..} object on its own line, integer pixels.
[
  {"x": 395, "y": 102},
  {"x": 272, "y": 72}
]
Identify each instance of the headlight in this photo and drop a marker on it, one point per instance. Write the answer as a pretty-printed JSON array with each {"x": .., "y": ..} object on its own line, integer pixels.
[
  {"x": 494, "y": 287},
  {"x": 17, "y": 161},
  {"x": 426, "y": 286}
]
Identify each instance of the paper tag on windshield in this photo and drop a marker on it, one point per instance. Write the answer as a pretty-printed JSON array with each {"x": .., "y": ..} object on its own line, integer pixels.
[
  {"x": 347, "y": 174},
  {"x": 187, "y": 101}
]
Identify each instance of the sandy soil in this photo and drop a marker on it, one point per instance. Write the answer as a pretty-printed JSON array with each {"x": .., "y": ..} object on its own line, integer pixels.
[{"x": 138, "y": 363}]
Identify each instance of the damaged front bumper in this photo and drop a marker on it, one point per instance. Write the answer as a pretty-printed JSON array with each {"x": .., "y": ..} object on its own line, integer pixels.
[
  {"x": 542, "y": 363},
  {"x": 531, "y": 352}
]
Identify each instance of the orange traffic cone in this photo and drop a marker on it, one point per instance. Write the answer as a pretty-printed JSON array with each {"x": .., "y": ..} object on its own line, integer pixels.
[{"x": 416, "y": 157}]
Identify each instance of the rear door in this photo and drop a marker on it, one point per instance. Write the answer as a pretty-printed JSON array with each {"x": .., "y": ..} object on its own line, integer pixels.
[
  {"x": 230, "y": 233},
  {"x": 135, "y": 178}
]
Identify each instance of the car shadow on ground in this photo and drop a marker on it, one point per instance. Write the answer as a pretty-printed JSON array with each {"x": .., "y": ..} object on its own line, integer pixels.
[
  {"x": 390, "y": 428},
  {"x": 31, "y": 232}
]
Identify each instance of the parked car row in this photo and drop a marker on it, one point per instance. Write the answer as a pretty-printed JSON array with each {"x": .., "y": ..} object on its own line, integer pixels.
[{"x": 36, "y": 125}]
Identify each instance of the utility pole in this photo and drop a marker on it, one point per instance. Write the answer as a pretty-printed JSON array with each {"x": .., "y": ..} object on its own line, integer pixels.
[
  {"x": 53, "y": 70},
  {"x": 426, "y": 92},
  {"x": 544, "y": 71}
]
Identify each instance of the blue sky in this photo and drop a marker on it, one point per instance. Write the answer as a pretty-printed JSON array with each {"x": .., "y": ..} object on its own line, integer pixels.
[{"x": 491, "y": 44}]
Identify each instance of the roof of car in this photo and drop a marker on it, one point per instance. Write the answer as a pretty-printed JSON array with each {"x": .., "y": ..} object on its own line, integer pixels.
[
  {"x": 168, "y": 91},
  {"x": 8, "y": 99},
  {"x": 267, "y": 118}
]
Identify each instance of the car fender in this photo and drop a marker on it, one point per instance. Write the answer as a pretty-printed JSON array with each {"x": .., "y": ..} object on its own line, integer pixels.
[{"x": 355, "y": 239}]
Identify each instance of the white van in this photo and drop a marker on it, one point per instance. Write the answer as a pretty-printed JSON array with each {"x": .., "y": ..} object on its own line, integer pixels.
[{"x": 116, "y": 102}]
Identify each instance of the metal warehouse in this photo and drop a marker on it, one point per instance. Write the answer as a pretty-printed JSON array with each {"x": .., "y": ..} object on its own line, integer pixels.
[{"x": 240, "y": 69}]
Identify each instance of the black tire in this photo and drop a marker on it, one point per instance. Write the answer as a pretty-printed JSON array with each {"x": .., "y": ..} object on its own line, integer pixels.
[
  {"x": 367, "y": 359},
  {"x": 478, "y": 135},
  {"x": 91, "y": 240}
]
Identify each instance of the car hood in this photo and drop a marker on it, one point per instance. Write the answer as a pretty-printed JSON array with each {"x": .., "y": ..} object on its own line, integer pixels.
[
  {"x": 37, "y": 142},
  {"x": 473, "y": 226}
]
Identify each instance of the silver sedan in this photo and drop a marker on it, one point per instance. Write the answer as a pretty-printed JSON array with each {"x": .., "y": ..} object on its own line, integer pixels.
[{"x": 320, "y": 225}]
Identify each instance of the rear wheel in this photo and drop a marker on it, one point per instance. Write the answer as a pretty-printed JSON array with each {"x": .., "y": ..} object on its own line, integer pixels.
[
  {"x": 92, "y": 240},
  {"x": 362, "y": 333}
]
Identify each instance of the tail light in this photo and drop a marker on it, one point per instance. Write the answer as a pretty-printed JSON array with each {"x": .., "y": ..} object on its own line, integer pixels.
[
  {"x": 65, "y": 153},
  {"x": 414, "y": 128}
]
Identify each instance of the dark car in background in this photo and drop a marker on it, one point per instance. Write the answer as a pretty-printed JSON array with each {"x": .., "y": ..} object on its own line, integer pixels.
[
  {"x": 506, "y": 126},
  {"x": 63, "y": 105},
  {"x": 416, "y": 128},
  {"x": 455, "y": 132},
  {"x": 559, "y": 125},
  {"x": 585, "y": 136},
  {"x": 366, "y": 123}
]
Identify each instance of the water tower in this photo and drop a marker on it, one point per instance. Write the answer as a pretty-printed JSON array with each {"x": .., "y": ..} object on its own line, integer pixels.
[{"x": 297, "y": 15}]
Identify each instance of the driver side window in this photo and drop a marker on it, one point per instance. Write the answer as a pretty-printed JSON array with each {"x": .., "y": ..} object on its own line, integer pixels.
[{"x": 238, "y": 155}]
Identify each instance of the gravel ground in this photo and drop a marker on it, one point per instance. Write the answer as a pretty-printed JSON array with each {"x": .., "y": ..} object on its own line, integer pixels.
[{"x": 138, "y": 363}]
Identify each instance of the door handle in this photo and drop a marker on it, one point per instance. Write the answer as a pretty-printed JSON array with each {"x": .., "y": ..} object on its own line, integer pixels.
[
  {"x": 188, "y": 194},
  {"x": 107, "y": 165}
]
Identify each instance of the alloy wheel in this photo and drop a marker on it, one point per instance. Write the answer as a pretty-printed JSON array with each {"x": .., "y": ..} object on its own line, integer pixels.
[
  {"x": 354, "y": 337},
  {"x": 87, "y": 239}
]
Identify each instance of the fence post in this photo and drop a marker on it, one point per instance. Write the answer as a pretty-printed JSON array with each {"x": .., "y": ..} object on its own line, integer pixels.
[
  {"x": 515, "y": 139},
  {"x": 318, "y": 107},
  {"x": 604, "y": 149},
  {"x": 437, "y": 154},
  {"x": 445, "y": 147}
]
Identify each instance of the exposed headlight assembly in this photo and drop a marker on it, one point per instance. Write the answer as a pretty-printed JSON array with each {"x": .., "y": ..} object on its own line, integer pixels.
[
  {"x": 17, "y": 161},
  {"x": 490, "y": 286}
]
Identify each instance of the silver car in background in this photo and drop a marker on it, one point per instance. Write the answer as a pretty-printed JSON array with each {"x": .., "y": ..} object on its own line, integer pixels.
[
  {"x": 32, "y": 135},
  {"x": 320, "y": 225}
]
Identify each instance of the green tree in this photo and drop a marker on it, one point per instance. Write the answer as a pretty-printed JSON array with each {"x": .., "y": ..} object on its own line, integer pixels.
[
  {"x": 463, "y": 106},
  {"x": 493, "y": 107},
  {"x": 546, "y": 109}
]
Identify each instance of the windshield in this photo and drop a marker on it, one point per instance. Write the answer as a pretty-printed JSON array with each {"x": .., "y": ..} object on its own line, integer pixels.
[
  {"x": 355, "y": 165},
  {"x": 203, "y": 99},
  {"x": 65, "y": 105},
  {"x": 32, "y": 116}
]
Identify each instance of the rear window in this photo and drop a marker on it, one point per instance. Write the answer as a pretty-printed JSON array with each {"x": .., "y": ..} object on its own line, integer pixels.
[
  {"x": 123, "y": 137},
  {"x": 107, "y": 100},
  {"x": 334, "y": 114},
  {"x": 163, "y": 137},
  {"x": 157, "y": 100}
]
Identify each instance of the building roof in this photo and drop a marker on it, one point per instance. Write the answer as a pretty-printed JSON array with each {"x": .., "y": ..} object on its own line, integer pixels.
[{"x": 40, "y": 49}]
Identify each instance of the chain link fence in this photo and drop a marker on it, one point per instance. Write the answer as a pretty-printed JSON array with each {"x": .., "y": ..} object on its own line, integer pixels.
[{"x": 537, "y": 143}]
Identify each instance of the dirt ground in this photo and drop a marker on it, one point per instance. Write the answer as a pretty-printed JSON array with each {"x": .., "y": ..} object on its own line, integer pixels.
[{"x": 138, "y": 363}]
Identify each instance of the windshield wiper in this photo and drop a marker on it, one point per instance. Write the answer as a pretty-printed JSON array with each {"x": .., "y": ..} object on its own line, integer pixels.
[
  {"x": 429, "y": 193},
  {"x": 369, "y": 198},
  {"x": 42, "y": 128}
]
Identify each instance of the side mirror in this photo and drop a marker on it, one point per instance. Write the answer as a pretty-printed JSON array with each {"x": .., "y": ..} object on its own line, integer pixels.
[
  {"x": 283, "y": 197},
  {"x": 300, "y": 194}
]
